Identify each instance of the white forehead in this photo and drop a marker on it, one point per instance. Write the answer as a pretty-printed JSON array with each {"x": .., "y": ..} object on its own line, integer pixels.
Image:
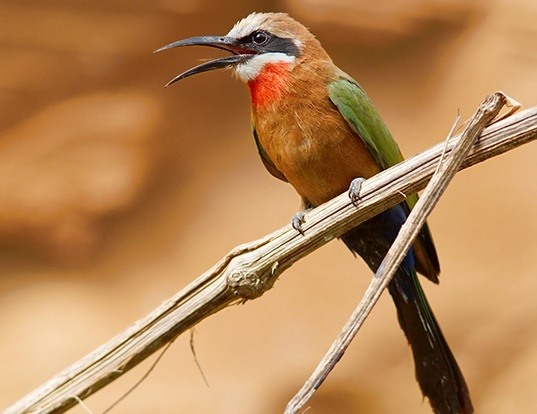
[{"x": 247, "y": 25}]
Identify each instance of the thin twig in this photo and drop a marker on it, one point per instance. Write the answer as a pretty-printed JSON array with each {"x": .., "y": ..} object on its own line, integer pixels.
[
  {"x": 446, "y": 141},
  {"x": 137, "y": 383},
  {"x": 193, "y": 349},
  {"x": 251, "y": 269},
  {"x": 410, "y": 229}
]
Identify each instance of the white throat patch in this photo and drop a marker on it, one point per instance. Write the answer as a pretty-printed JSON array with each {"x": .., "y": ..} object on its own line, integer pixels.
[{"x": 250, "y": 69}]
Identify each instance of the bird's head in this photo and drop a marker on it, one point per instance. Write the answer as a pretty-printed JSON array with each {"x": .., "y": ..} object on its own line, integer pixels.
[{"x": 261, "y": 42}]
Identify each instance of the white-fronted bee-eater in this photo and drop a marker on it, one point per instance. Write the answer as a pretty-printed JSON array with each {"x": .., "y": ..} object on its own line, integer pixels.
[{"x": 315, "y": 128}]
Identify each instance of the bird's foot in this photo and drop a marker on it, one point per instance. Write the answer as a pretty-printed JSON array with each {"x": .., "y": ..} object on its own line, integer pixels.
[
  {"x": 298, "y": 220},
  {"x": 354, "y": 190}
]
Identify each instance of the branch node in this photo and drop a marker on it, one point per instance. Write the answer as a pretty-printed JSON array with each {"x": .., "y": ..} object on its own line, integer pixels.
[{"x": 246, "y": 284}]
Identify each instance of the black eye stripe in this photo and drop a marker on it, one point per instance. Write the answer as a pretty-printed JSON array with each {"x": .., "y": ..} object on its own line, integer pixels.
[{"x": 265, "y": 42}]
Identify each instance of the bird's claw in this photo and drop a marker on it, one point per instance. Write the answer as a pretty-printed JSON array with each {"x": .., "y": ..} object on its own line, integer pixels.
[
  {"x": 354, "y": 190},
  {"x": 297, "y": 221}
]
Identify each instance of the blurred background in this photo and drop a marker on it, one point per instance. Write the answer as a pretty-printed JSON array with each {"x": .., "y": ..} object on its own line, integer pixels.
[{"x": 116, "y": 193}]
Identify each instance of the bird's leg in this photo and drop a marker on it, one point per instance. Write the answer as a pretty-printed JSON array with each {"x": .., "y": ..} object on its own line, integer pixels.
[
  {"x": 354, "y": 190},
  {"x": 298, "y": 219}
]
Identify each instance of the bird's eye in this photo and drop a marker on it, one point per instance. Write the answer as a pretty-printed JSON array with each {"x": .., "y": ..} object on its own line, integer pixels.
[{"x": 260, "y": 38}]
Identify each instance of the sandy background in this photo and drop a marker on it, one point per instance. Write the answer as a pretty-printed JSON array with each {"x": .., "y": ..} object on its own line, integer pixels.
[{"x": 116, "y": 193}]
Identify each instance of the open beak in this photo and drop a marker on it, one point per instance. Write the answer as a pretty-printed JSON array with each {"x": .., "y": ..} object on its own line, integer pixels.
[{"x": 240, "y": 54}]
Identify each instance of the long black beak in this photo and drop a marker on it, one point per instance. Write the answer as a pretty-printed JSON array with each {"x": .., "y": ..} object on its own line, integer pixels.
[{"x": 240, "y": 54}]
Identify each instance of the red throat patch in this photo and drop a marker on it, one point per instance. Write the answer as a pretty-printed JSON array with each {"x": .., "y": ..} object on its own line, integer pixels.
[{"x": 269, "y": 85}]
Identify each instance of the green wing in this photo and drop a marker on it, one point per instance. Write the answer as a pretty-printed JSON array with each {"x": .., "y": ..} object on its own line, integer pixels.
[
  {"x": 361, "y": 114},
  {"x": 364, "y": 119}
]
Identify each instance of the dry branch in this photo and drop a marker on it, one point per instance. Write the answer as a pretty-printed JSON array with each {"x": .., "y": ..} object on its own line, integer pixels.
[{"x": 251, "y": 269}]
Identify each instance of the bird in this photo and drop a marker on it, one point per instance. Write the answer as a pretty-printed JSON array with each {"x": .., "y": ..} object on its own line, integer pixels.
[{"x": 315, "y": 128}]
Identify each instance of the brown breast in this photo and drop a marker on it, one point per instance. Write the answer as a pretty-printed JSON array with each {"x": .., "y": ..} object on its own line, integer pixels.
[{"x": 309, "y": 142}]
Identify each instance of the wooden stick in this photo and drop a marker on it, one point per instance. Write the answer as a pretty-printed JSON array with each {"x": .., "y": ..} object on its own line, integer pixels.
[
  {"x": 447, "y": 168},
  {"x": 251, "y": 269}
]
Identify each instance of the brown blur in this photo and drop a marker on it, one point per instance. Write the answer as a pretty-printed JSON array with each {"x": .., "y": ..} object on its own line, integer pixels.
[{"x": 115, "y": 193}]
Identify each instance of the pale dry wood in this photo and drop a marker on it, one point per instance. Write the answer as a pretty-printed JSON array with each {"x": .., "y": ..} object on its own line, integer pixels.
[
  {"x": 448, "y": 166},
  {"x": 251, "y": 269}
]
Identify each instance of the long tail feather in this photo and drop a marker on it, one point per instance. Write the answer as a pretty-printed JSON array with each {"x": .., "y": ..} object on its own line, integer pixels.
[{"x": 437, "y": 371}]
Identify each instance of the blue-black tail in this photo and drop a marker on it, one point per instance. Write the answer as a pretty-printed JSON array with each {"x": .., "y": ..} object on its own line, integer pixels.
[{"x": 437, "y": 371}]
